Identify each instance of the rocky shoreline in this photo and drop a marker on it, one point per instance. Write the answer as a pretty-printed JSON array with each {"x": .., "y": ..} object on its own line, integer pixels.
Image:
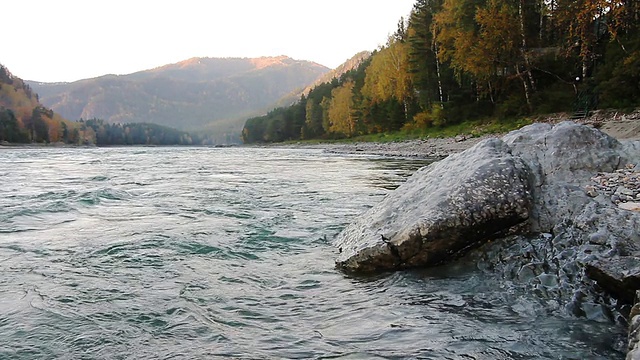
[
  {"x": 424, "y": 148},
  {"x": 622, "y": 126},
  {"x": 558, "y": 203}
]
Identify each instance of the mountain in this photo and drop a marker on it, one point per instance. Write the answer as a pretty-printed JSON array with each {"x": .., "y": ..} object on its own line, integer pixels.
[
  {"x": 345, "y": 67},
  {"x": 327, "y": 77},
  {"x": 215, "y": 94}
]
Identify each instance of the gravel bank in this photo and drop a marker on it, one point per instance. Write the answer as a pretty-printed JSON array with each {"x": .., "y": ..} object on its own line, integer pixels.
[
  {"x": 614, "y": 123},
  {"x": 424, "y": 148}
]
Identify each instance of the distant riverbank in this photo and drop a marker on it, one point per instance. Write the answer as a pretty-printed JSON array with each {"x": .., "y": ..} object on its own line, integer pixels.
[{"x": 622, "y": 126}]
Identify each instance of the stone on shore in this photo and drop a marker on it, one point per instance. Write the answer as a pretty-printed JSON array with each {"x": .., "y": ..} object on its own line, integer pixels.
[
  {"x": 538, "y": 173},
  {"x": 442, "y": 210},
  {"x": 631, "y": 206},
  {"x": 573, "y": 185},
  {"x": 619, "y": 276},
  {"x": 634, "y": 331}
]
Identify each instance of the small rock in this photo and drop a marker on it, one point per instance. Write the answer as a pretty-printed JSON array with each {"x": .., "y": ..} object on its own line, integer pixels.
[
  {"x": 631, "y": 206},
  {"x": 591, "y": 191},
  {"x": 624, "y": 191},
  {"x": 599, "y": 238}
]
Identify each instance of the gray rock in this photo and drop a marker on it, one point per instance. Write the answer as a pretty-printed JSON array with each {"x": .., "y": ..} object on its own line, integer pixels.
[
  {"x": 442, "y": 210},
  {"x": 567, "y": 152},
  {"x": 619, "y": 276},
  {"x": 567, "y": 179},
  {"x": 634, "y": 331},
  {"x": 563, "y": 158},
  {"x": 621, "y": 190},
  {"x": 591, "y": 191}
]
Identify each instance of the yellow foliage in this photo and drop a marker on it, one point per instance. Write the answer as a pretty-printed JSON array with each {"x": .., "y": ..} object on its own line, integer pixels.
[
  {"x": 12, "y": 98},
  {"x": 478, "y": 42},
  {"x": 340, "y": 110},
  {"x": 388, "y": 75},
  {"x": 55, "y": 129},
  {"x": 23, "y": 113},
  {"x": 427, "y": 118}
]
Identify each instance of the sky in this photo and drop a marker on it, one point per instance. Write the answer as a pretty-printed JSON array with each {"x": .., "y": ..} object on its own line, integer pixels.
[{"x": 68, "y": 40}]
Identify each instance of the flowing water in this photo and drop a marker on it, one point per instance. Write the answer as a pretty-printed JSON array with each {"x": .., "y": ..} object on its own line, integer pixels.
[{"x": 198, "y": 253}]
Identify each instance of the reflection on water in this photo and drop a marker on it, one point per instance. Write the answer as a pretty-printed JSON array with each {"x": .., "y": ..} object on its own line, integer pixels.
[{"x": 390, "y": 173}]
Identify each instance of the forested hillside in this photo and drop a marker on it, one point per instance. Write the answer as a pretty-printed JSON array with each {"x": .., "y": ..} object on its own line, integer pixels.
[
  {"x": 456, "y": 60},
  {"x": 212, "y": 93},
  {"x": 24, "y": 120},
  {"x": 347, "y": 66}
]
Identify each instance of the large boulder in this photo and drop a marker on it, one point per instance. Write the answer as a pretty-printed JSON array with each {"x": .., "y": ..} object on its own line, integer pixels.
[
  {"x": 562, "y": 159},
  {"x": 537, "y": 173},
  {"x": 563, "y": 183},
  {"x": 442, "y": 210}
]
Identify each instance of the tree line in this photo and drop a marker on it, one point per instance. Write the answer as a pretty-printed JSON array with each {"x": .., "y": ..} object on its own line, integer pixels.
[
  {"x": 89, "y": 132},
  {"x": 455, "y": 60},
  {"x": 24, "y": 120},
  {"x": 137, "y": 134}
]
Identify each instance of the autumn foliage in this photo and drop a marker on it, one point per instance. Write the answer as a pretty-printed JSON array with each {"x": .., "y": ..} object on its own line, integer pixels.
[
  {"x": 24, "y": 120},
  {"x": 455, "y": 60}
]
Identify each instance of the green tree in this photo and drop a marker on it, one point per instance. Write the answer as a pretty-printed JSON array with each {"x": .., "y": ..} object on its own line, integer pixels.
[
  {"x": 426, "y": 70},
  {"x": 9, "y": 128},
  {"x": 313, "y": 119}
]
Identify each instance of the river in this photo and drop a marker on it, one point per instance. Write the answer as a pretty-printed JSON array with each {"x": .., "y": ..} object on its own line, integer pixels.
[{"x": 199, "y": 253}]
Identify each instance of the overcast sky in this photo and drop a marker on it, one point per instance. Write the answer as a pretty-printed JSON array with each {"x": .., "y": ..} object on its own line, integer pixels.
[{"x": 67, "y": 40}]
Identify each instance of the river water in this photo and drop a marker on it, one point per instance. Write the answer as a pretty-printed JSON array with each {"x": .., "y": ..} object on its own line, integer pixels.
[{"x": 199, "y": 253}]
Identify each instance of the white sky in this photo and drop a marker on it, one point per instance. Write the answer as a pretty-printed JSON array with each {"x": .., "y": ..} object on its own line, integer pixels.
[{"x": 67, "y": 40}]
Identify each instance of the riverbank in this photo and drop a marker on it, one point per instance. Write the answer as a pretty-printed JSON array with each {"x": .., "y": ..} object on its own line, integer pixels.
[
  {"x": 567, "y": 192},
  {"x": 622, "y": 126}
]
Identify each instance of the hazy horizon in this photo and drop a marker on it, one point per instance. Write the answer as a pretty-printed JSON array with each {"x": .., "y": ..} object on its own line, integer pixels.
[{"x": 74, "y": 40}]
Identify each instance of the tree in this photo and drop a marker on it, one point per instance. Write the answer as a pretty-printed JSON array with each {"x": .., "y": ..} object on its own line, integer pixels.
[
  {"x": 425, "y": 68},
  {"x": 340, "y": 110},
  {"x": 487, "y": 39},
  {"x": 313, "y": 119},
  {"x": 586, "y": 22},
  {"x": 388, "y": 77},
  {"x": 36, "y": 124},
  {"x": 9, "y": 128}
]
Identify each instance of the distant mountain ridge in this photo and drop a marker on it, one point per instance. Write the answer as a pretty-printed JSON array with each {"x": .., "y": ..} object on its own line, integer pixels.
[
  {"x": 345, "y": 67},
  {"x": 327, "y": 77},
  {"x": 213, "y": 93}
]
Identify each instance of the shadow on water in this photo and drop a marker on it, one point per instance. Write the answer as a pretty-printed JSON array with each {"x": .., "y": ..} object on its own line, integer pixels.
[{"x": 389, "y": 173}]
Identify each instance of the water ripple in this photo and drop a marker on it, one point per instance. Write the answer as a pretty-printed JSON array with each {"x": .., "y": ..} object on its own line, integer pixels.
[{"x": 193, "y": 253}]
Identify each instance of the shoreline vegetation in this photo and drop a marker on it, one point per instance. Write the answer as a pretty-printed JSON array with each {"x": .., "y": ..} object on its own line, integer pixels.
[
  {"x": 452, "y": 62},
  {"x": 618, "y": 124},
  {"x": 439, "y": 144}
]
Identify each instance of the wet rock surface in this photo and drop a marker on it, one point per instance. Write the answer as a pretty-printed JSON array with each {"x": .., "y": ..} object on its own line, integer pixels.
[
  {"x": 579, "y": 248},
  {"x": 619, "y": 276},
  {"x": 434, "y": 215},
  {"x": 633, "y": 347}
]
